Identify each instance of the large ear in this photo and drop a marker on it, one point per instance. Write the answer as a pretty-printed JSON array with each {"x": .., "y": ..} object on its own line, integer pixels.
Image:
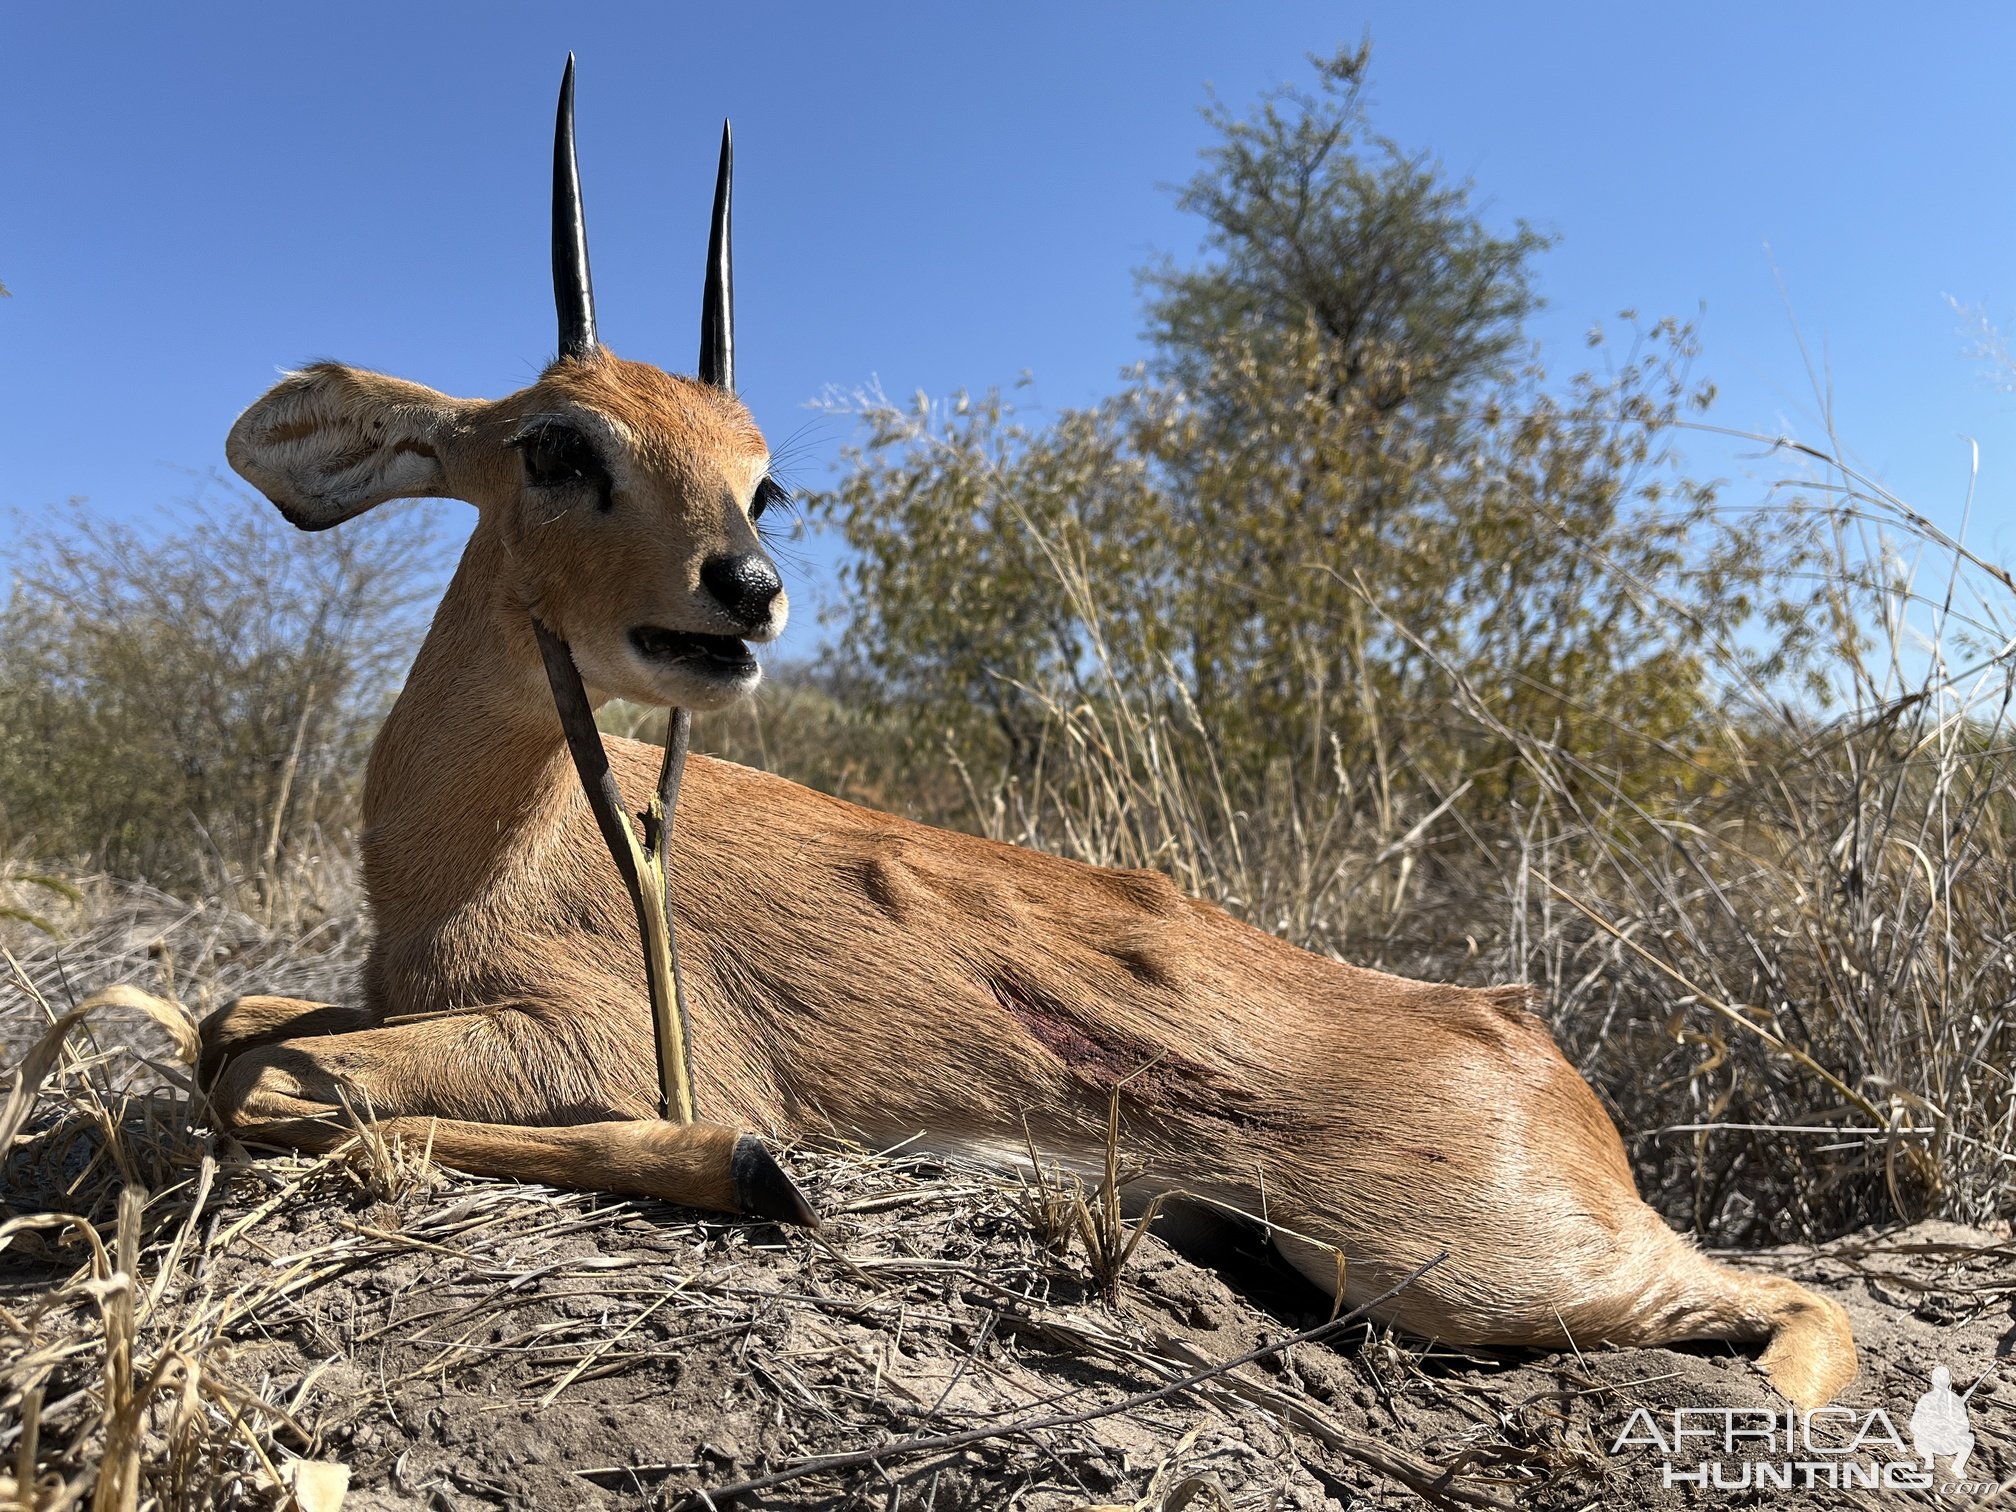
[{"x": 327, "y": 443}]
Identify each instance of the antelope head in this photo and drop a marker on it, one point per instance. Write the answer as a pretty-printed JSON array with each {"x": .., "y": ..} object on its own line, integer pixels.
[{"x": 625, "y": 498}]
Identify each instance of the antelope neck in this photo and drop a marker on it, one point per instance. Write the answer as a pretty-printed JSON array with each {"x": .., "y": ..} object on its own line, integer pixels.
[{"x": 471, "y": 764}]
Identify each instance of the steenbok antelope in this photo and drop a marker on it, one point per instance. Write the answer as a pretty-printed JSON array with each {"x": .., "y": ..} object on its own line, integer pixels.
[{"x": 853, "y": 972}]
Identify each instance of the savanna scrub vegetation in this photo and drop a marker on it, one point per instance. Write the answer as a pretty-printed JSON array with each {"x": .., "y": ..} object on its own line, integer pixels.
[
  {"x": 1346, "y": 611},
  {"x": 1343, "y": 609}
]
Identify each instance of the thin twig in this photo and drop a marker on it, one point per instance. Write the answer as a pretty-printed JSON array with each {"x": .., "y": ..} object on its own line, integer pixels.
[{"x": 644, "y": 875}]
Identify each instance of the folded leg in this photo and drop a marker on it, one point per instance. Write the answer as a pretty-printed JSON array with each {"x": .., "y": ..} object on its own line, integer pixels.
[
  {"x": 248, "y": 1022},
  {"x": 476, "y": 1086}
]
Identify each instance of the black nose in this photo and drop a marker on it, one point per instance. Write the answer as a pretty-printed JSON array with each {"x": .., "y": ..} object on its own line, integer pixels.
[{"x": 745, "y": 585}]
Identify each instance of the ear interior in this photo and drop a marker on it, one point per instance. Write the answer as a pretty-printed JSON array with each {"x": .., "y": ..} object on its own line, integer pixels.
[{"x": 329, "y": 442}]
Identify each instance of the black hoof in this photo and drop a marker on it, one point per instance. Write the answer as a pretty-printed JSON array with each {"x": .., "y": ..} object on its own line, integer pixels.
[{"x": 762, "y": 1190}]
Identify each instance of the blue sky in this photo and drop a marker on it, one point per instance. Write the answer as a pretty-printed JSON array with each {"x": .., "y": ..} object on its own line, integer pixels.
[{"x": 946, "y": 196}]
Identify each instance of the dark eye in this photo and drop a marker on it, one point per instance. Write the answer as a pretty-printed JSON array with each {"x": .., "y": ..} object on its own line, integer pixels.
[
  {"x": 558, "y": 455},
  {"x": 769, "y": 495}
]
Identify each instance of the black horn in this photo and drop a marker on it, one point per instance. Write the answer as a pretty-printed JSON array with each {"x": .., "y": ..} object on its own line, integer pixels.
[
  {"x": 573, "y": 290},
  {"x": 717, "y": 305}
]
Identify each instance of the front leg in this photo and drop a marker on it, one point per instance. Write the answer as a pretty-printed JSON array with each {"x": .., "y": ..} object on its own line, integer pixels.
[
  {"x": 247, "y": 1022},
  {"x": 464, "y": 1084}
]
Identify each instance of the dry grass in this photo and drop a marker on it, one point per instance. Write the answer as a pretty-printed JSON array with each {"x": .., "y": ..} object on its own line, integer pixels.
[
  {"x": 119, "y": 1372},
  {"x": 305, "y": 937},
  {"x": 1109, "y": 1242},
  {"x": 1058, "y": 1209}
]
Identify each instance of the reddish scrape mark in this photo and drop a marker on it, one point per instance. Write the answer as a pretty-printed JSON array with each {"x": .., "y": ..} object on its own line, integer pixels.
[{"x": 1096, "y": 1053}]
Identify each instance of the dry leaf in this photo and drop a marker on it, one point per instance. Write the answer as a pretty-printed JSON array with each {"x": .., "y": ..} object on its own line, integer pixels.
[
  {"x": 169, "y": 1014},
  {"x": 1188, "y": 1492},
  {"x": 317, "y": 1485}
]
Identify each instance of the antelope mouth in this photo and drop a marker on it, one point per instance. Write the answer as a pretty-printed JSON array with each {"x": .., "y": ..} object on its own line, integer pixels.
[{"x": 722, "y": 656}]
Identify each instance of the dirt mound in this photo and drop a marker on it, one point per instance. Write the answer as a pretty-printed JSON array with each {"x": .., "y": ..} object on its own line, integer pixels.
[{"x": 457, "y": 1343}]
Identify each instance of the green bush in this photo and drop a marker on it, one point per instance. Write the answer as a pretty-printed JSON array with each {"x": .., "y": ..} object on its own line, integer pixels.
[{"x": 1342, "y": 486}]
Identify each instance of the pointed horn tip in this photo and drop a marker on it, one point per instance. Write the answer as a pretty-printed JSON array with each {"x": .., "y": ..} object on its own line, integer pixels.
[{"x": 573, "y": 291}]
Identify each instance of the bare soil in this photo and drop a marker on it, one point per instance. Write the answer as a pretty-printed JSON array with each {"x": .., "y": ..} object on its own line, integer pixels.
[{"x": 476, "y": 1344}]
